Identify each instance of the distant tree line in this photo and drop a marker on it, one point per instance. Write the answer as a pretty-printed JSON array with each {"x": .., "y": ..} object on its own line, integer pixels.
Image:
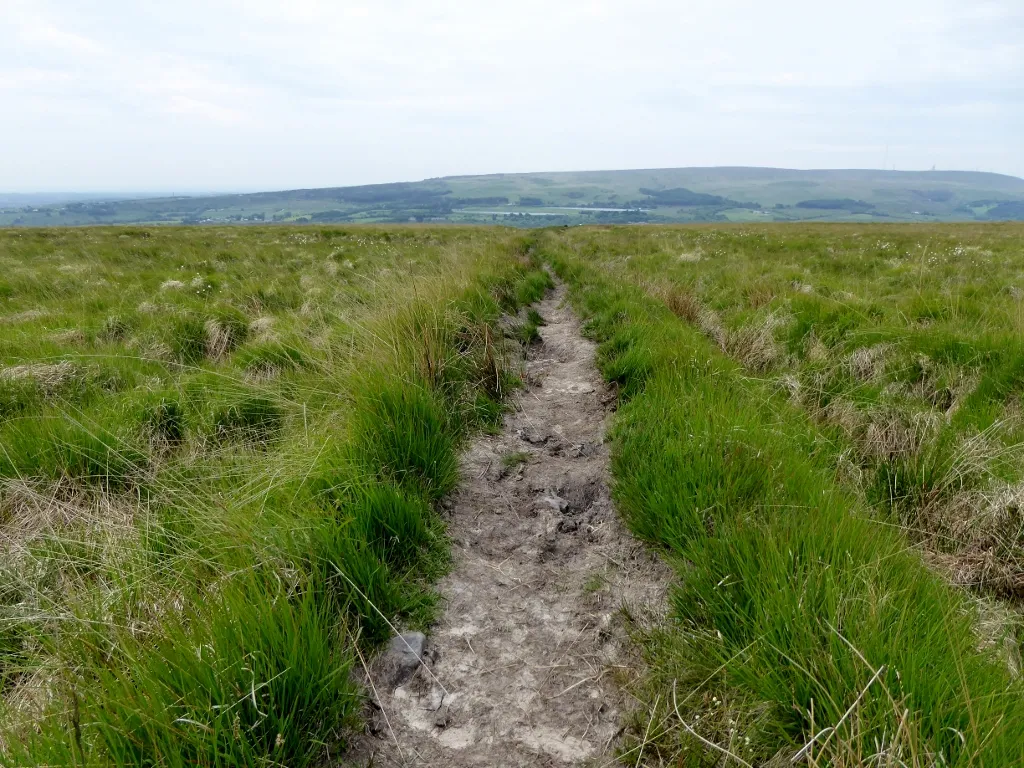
[
  {"x": 93, "y": 209},
  {"x": 461, "y": 201},
  {"x": 621, "y": 217},
  {"x": 934, "y": 195},
  {"x": 837, "y": 204},
  {"x": 1008, "y": 211},
  {"x": 680, "y": 196}
]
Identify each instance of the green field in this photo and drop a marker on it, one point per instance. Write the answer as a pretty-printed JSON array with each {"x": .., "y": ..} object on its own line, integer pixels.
[
  {"x": 229, "y": 440},
  {"x": 821, "y": 427},
  {"x": 550, "y": 199},
  {"x": 222, "y": 451}
]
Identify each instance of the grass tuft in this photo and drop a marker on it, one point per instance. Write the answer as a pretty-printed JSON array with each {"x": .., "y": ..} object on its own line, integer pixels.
[{"x": 399, "y": 430}]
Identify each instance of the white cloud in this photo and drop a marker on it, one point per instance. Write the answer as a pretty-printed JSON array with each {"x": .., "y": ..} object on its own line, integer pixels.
[{"x": 268, "y": 94}]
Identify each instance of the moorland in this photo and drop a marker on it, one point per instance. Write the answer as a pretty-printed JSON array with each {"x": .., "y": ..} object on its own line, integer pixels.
[{"x": 223, "y": 452}]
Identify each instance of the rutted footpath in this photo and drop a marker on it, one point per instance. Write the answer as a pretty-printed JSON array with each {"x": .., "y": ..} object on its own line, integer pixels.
[{"x": 522, "y": 668}]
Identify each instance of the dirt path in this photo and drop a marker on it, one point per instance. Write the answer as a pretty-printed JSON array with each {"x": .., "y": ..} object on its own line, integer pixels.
[{"x": 519, "y": 671}]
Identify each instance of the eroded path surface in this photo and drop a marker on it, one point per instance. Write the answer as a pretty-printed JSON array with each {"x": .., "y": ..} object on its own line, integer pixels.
[{"x": 520, "y": 671}]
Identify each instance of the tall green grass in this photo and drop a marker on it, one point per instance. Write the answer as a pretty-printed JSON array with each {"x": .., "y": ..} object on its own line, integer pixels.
[
  {"x": 901, "y": 343},
  {"x": 796, "y": 619},
  {"x": 272, "y": 468},
  {"x": 250, "y": 676}
]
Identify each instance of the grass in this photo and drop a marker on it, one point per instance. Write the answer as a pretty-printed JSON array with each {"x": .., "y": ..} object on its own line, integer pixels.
[
  {"x": 219, "y": 456},
  {"x": 801, "y": 622},
  {"x": 253, "y": 675},
  {"x": 900, "y": 343},
  {"x": 514, "y": 459},
  {"x": 221, "y": 450}
]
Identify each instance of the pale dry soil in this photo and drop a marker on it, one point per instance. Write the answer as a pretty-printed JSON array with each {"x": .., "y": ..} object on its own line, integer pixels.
[{"x": 527, "y": 663}]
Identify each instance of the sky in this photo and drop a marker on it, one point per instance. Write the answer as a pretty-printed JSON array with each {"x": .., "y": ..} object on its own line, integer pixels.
[{"x": 225, "y": 95}]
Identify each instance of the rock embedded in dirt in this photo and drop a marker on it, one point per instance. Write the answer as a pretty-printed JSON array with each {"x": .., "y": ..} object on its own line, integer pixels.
[
  {"x": 496, "y": 472},
  {"x": 555, "y": 446},
  {"x": 568, "y": 525},
  {"x": 536, "y": 435},
  {"x": 582, "y": 450},
  {"x": 555, "y": 502},
  {"x": 444, "y": 715},
  {"x": 404, "y": 656}
]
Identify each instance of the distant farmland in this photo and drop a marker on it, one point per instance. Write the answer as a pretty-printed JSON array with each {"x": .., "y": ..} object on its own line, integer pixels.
[{"x": 674, "y": 195}]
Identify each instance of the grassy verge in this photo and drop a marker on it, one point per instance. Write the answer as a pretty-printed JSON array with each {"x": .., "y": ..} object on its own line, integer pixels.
[
  {"x": 797, "y": 619},
  {"x": 902, "y": 344},
  {"x": 202, "y": 547}
]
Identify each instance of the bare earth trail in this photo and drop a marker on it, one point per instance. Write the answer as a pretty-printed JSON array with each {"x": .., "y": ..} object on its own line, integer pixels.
[{"x": 520, "y": 669}]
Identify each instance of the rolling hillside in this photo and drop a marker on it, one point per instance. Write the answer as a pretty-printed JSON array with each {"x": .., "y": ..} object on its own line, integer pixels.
[{"x": 536, "y": 199}]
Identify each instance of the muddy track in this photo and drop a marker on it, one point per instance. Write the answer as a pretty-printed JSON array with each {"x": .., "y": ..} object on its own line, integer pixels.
[{"x": 521, "y": 669}]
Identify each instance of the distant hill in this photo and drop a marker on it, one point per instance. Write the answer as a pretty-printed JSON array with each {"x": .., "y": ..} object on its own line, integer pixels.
[{"x": 536, "y": 199}]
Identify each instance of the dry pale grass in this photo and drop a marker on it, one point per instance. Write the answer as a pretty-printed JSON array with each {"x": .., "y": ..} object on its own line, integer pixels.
[
  {"x": 60, "y": 547},
  {"x": 759, "y": 295},
  {"x": 801, "y": 287},
  {"x": 150, "y": 349},
  {"x": 710, "y": 325},
  {"x": 846, "y": 415},
  {"x": 893, "y": 433},
  {"x": 975, "y": 535},
  {"x": 998, "y": 630},
  {"x": 33, "y": 510},
  {"x": 946, "y": 391},
  {"x": 971, "y": 523},
  {"x": 49, "y": 377},
  {"x": 23, "y": 317},
  {"x": 29, "y": 699},
  {"x": 70, "y": 336},
  {"x": 815, "y": 350},
  {"x": 982, "y": 533},
  {"x": 262, "y": 329},
  {"x": 219, "y": 340},
  {"x": 683, "y": 304},
  {"x": 867, "y": 364},
  {"x": 793, "y": 388},
  {"x": 755, "y": 345}
]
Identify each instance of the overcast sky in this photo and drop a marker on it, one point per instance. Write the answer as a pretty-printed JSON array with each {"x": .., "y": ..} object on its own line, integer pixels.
[{"x": 194, "y": 95}]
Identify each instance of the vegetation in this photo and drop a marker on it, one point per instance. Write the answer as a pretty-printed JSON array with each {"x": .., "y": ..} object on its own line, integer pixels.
[
  {"x": 221, "y": 450},
  {"x": 683, "y": 196},
  {"x": 219, "y": 455},
  {"x": 820, "y": 427},
  {"x": 844, "y": 204},
  {"x": 556, "y": 199}
]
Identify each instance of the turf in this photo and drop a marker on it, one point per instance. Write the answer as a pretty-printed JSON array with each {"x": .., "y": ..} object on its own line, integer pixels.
[
  {"x": 219, "y": 457},
  {"x": 221, "y": 451},
  {"x": 801, "y": 615}
]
